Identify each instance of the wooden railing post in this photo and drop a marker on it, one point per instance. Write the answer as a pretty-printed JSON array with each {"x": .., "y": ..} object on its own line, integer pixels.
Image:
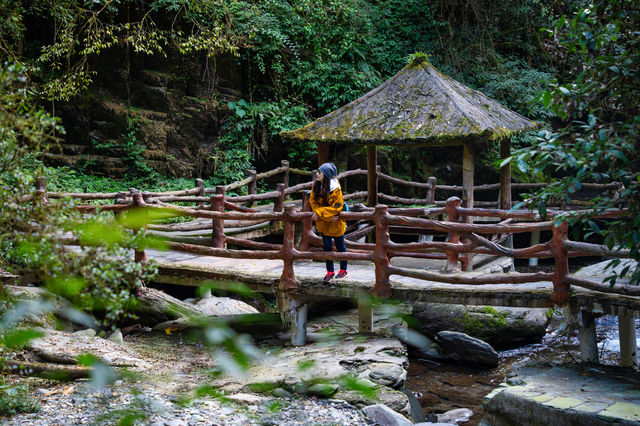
[
  {"x": 120, "y": 198},
  {"x": 288, "y": 279},
  {"x": 217, "y": 232},
  {"x": 560, "y": 294},
  {"x": 41, "y": 190},
  {"x": 307, "y": 224},
  {"x": 383, "y": 286},
  {"x": 431, "y": 191},
  {"x": 451, "y": 208},
  {"x": 200, "y": 185},
  {"x": 285, "y": 176},
  {"x": 253, "y": 186},
  {"x": 138, "y": 203},
  {"x": 278, "y": 203}
]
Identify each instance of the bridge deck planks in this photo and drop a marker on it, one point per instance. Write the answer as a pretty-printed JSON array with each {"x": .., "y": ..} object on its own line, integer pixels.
[{"x": 263, "y": 276}]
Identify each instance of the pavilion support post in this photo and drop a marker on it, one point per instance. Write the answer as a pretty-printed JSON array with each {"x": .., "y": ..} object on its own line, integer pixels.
[
  {"x": 505, "y": 187},
  {"x": 365, "y": 315},
  {"x": 467, "y": 178},
  {"x": 467, "y": 194},
  {"x": 587, "y": 336},
  {"x": 382, "y": 287},
  {"x": 505, "y": 175},
  {"x": 372, "y": 176},
  {"x": 628, "y": 340},
  {"x": 323, "y": 153}
]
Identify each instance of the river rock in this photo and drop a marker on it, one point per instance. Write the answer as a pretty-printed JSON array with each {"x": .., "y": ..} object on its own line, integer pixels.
[
  {"x": 466, "y": 349},
  {"x": 501, "y": 327},
  {"x": 222, "y": 306},
  {"x": 63, "y": 347},
  {"x": 331, "y": 362},
  {"x": 88, "y": 332},
  {"x": 457, "y": 416},
  {"x": 387, "y": 374},
  {"x": 385, "y": 416},
  {"x": 46, "y": 320},
  {"x": 323, "y": 390},
  {"x": 396, "y": 400},
  {"x": 117, "y": 338}
]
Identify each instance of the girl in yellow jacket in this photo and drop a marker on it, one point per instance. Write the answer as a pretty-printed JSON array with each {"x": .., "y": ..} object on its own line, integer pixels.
[{"x": 327, "y": 204}]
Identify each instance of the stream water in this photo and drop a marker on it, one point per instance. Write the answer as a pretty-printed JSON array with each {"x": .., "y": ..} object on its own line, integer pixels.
[{"x": 441, "y": 387}]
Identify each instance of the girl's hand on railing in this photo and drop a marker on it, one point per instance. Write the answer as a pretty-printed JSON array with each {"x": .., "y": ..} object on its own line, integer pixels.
[
  {"x": 335, "y": 218},
  {"x": 314, "y": 216}
]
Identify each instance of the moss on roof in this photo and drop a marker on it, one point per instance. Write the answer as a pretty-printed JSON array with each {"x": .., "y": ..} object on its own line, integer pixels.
[{"x": 418, "y": 106}]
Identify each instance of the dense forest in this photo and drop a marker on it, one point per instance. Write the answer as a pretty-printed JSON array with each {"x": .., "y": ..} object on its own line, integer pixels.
[
  {"x": 240, "y": 72},
  {"x": 104, "y": 94}
]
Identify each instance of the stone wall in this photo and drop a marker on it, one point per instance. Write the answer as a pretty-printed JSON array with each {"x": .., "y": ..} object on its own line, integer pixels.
[{"x": 172, "y": 106}]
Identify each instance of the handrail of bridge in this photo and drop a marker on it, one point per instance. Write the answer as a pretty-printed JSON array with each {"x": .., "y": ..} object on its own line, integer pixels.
[
  {"x": 199, "y": 193},
  {"x": 464, "y": 240}
]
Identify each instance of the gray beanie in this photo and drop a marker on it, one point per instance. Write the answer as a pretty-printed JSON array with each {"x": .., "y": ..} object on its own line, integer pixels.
[{"x": 329, "y": 170}]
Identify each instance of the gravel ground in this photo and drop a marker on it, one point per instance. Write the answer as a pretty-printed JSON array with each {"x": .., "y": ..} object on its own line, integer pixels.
[{"x": 82, "y": 403}]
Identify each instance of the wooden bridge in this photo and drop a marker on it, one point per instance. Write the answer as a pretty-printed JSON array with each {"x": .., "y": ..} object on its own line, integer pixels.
[{"x": 379, "y": 268}]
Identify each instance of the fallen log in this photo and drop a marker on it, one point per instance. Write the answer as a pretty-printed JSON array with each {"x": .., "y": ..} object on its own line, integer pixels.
[
  {"x": 154, "y": 306},
  {"x": 45, "y": 370}
]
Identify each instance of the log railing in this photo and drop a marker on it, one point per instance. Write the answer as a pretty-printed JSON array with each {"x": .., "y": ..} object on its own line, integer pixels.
[
  {"x": 199, "y": 194},
  {"x": 463, "y": 240}
]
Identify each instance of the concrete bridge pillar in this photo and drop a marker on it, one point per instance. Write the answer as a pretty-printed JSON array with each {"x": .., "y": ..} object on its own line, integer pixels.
[
  {"x": 299, "y": 324},
  {"x": 365, "y": 315},
  {"x": 628, "y": 342},
  {"x": 587, "y": 336},
  {"x": 535, "y": 239}
]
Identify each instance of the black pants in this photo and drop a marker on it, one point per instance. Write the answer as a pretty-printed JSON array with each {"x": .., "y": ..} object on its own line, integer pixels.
[{"x": 327, "y": 244}]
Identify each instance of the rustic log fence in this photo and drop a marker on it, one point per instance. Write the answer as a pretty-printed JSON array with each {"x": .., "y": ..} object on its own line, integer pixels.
[
  {"x": 462, "y": 242},
  {"x": 463, "y": 239}
]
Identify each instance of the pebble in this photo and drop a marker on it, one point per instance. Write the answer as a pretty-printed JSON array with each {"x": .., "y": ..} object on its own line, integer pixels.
[{"x": 86, "y": 405}]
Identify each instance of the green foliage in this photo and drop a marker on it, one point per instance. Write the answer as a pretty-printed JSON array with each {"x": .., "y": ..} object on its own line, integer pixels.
[
  {"x": 597, "y": 96},
  {"x": 78, "y": 30},
  {"x": 130, "y": 150},
  {"x": 16, "y": 399},
  {"x": 103, "y": 278},
  {"x": 252, "y": 130}
]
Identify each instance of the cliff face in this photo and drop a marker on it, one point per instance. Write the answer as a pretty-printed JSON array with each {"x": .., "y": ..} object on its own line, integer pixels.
[{"x": 162, "y": 113}]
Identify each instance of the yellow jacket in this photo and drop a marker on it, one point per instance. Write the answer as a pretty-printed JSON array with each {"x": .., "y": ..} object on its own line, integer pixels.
[{"x": 325, "y": 223}]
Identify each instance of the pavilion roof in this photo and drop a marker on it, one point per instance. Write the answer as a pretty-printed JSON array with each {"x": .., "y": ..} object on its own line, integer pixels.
[{"x": 419, "y": 106}]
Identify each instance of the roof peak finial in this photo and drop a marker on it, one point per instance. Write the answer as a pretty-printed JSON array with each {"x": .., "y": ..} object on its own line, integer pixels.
[{"x": 418, "y": 58}]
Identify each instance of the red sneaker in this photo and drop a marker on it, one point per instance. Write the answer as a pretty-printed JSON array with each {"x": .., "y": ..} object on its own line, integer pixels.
[
  {"x": 327, "y": 278},
  {"x": 342, "y": 273}
]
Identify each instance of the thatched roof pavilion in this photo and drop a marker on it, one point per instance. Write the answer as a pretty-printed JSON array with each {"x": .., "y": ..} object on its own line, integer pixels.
[{"x": 419, "y": 106}]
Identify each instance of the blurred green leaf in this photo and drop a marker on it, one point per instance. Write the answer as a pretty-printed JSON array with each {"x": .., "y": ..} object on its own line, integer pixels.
[{"x": 15, "y": 339}]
